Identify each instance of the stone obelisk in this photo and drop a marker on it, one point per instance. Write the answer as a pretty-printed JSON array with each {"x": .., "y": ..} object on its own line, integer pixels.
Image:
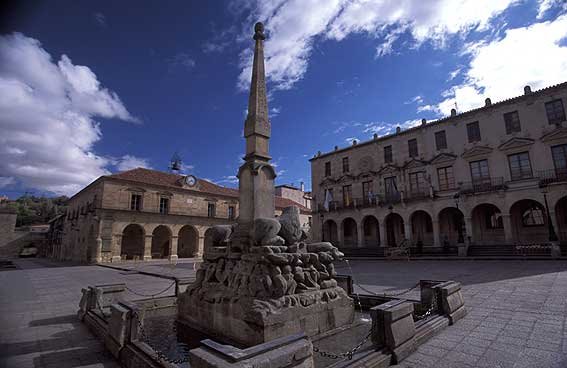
[{"x": 256, "y": 175}]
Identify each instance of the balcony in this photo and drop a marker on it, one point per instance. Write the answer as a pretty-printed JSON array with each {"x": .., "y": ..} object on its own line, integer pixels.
[
  {"x": 390, "y": 198},
  {"x": 552, "y": 176},
  {"x": 416, "y": 195},
  {"x": 482, "y": 185}
]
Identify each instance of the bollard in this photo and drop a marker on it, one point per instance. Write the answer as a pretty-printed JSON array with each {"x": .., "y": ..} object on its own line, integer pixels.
[{"x": 452, "y": 302}]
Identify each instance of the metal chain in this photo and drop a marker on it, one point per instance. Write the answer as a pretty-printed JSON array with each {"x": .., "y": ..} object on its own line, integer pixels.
[
  {"x": 388, "y": 295},
  {"x": 347, "y": 355},
  {"x": 429, "y": 311},
  {"x": 151, "y": 295}
]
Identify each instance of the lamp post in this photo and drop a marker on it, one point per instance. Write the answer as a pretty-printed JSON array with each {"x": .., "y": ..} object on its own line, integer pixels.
[
  {"x": 551, "y": 229},
  {"x": 461, "y": 238}
]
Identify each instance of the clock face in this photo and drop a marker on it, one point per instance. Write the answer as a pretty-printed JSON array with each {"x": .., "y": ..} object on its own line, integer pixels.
[{"x": 190, "y": 180}]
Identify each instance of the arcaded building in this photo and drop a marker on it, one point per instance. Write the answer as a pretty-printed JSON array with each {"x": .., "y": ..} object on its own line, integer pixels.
[
  {"x": 493, "y": 175},
  {"x": 144, "y": 214}
]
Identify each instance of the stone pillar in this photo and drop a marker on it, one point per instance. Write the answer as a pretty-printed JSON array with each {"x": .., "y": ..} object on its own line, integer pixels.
[
  {"x": 436, "y": 233},
  {"x": 451, "y": 299},
  {"x": 98, "y": 243},
  {"x": 407, "y": 231},
  {"x": 554, "y": 222},
  {"x": 360, "y": 230},
  {"x": 507, "y": 223},
  {"x": 116, "y": 247},
  {"x": 200, "y": 246},
  {"x": 148, "y": 247},
  {"x": 468, "y": 229},
  {"x": 341, "y": 235},
  {"x": 383, "y": 238},
  {"x": 173, "y": 249}
]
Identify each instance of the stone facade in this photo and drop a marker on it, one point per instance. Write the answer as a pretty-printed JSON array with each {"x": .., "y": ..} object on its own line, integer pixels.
[
  {"x": 480, "y": 177},
  {"x": 7, "y": 225},
  {"x": 104, "y": 223}
]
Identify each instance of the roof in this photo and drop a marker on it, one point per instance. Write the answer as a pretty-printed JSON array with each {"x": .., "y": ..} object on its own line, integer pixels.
[
  {"x": 160, "y": 178},
  {"x": 445, "y": 119}
]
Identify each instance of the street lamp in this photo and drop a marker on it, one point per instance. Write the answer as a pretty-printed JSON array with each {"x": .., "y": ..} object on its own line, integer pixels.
[{"x": 551, "y": 229}]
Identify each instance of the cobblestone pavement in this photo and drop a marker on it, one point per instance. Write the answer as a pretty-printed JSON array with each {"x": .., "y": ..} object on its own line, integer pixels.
[
  {"x": 517, "y": 310},
  {"x": 38, "y": 305}
]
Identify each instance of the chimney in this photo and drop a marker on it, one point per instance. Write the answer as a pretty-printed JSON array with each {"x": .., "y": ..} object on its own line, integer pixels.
[
  {"x": 398, "y": 130},
  {"x": 423, "y": 121},
  {"x": 453, "y": 112},
  {"x": 302, "y": 186},
  {"x": 487, "y": 102},
  {"x": 527, "y": 90},
  {"x": 375, "y": 136}
]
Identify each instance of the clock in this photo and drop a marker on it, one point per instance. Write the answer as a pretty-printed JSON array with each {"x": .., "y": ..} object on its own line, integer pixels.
[{"x": 190, "y": 180}]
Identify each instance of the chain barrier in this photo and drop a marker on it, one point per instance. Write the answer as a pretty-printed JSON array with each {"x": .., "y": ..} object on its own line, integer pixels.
[
  {"x": 347, "y": 355},
  {"x": 151, "y": 295},
  {"x": 388, "y": 295}
]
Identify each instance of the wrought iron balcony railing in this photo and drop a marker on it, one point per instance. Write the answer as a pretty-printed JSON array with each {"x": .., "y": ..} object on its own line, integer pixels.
[
  {"x": 552, "y": 176},
  {"x": 489, "y": 184},
  {"x": 417, "y": 194},
  {"x": 390, "y": 198}
]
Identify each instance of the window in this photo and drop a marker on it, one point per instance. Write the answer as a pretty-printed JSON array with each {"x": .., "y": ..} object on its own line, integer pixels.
[
  {"x": 520, "y": 167},
  {"x": 473, "y": 132},
  {"x": 211, "y": 210},
  {"x": 446, "y": 178},
  {"x": 136, "y": 202},
  {"x": 533, "y": 217},
  {"x": 391, "y": 188},
  {"x": 417, "y": 182},
  {"x": 347, "y": 195},
  {"x": 493, "y": 219},
  {"x": 367, "y": 195},
  {"x": 512, "y": 121},
  {"x": 231, "y": 212},
  {"x": 345, "y": 165},
  {"x": 479, "y": 171},
  {"x": 164, "y": 206},
  {"x": 388, "y": 154},
  {"x": 412, "y": 147},
  {"x": 327, "y": 169},
  {"x": 555, "y": 111},
  {"x": 441, "y": 140},
  {"x": 559, "y": 154}
]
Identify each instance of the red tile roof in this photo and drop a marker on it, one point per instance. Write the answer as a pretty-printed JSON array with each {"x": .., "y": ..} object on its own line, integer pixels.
[{"x": 154, "y": 177}]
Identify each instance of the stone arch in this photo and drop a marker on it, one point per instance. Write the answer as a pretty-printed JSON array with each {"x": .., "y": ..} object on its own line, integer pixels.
[
  {"x": 421, "y": 227},
  {"x": 561, "y": 219},
  {"x": 487, "y": 224},
  {"x": 451, "y": 226},
  {"x": 161, "y": 239},
  {"x": 529, "y": 222},
  {"x": 370, "y": 231},
  {"x": 330, "y": 232},
  {"x": 394, "y": 229},
  {"x": 350, "y": 232},
  {"x": 133, "y": 239},
  {"x": 187, "y": 242}
]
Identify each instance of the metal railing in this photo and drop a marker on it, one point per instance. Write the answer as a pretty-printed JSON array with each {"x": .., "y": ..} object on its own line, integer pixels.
[
  {"x": 391, "y": 198},
  {"x": 417, "y": 194},
  {"x": 489, "y": 184},
  {"x": 552, "y": 176}
]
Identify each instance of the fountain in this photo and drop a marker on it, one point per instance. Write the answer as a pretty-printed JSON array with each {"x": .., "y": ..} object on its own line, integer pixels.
[{"x": 263, "y": 297}]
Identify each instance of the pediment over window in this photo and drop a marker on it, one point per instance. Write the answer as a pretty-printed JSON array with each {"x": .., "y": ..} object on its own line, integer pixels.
[
  {"x": 477, "y": 151},
  {"x": 346, "y": 177},
  {"x": 515, "y": 142},
  {"x": 366, "y": 174},
  {"x": 388, "y": 169},
  {"x": 443, "y": 158},
  {"x": 559, "y": 134},
  {"x": 414, "y": 163},
  {"x": 328, "y": 181}
]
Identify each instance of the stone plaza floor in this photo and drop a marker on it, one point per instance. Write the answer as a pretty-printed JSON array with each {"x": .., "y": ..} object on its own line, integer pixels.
[{"x": 516, "y": 310}]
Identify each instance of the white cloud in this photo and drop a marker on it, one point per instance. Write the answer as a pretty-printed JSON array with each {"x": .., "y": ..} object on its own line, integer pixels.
[
  {"x": 454, "y": 74},
  {"x": 128, "y": 162},
  {"x": 295, "y": 25},
  {"x": 545, "y": 5},
  {"x": 532, "y": 55},
  {"x": 46, "y": 113},
  {"x": 228, "y": 179},
  {"x": 417, "y": 99},
  {"x": 6, "y": 181},
  {"x": 423, "y": 108},
  {"x": 350, "y": 140},
  {"x": 181, "y": 59},
  {"x": 275, "y": 111}
]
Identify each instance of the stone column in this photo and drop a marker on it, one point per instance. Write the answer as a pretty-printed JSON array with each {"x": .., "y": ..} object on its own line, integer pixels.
[
  {"x": 200, "y": 246},
  {"x": 436, "y": 233},
  {"x": 98, "y": 242},
  {"x": 407, "y": 231},
  {"x": 468, "y": 229},
  {"x": 554, "y": 223},
  {"x": 148, "y": 248},
  {"x": 173, "y": 248},
  {"x": 360, "y": 229},
  {"x": 341, "y": 235},
  {"x": 116, "y": 247},
  {"x": 507, "y": 224},
  {"x": 383, "y": 238}
]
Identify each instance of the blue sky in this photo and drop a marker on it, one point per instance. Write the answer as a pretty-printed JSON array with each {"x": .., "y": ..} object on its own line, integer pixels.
[{"x": 91, "y": 88}]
